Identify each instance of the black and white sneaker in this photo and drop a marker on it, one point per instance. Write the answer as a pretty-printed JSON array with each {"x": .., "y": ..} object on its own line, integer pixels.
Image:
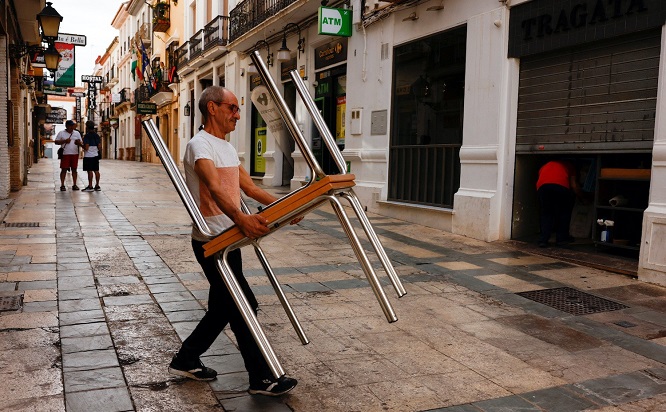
[
  {"x": 273, "y": 387},
  {"x": 193, "y": 370}
]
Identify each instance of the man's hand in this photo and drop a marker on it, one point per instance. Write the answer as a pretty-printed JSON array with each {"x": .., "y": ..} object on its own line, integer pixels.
[{"x": 252, "y": 226}]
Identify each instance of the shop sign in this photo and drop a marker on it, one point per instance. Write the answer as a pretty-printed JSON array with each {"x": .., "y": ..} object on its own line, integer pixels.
[
  {"x": 58, "y": 115},
  {"x": 75, "y": 39},
  {"x": 331, "y": 53},
  {"x": 543, "y": 25},
  {"x": 286, "y": 68},
  {"x": 146, "y": 108},
  {"x": 335, "y": 22}
]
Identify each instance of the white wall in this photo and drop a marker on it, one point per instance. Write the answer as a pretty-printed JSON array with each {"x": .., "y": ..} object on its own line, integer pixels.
[{"x": 652, "y": 263}]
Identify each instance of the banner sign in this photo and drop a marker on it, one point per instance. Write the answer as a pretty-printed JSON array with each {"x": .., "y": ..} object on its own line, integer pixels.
[{"x": 65, "y": 76}]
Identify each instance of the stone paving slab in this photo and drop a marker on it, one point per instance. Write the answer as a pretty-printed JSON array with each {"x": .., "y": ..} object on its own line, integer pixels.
[{"x": 98, "y": 328}]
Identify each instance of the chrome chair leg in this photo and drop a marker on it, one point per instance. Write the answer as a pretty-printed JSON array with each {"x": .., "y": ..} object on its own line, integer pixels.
[
  {"x": 363, "y": 259},
  {"x": 280, "y": 294},
  {"x": 374, "y": 240},
  {"x": 248, "y": 315}
]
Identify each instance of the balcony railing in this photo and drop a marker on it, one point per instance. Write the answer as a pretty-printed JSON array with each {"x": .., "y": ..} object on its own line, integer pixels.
[
  {"x": 182, "y": 55},
  {"x": 196, "y": 44},
  {"x": 141, "y": 94},
  {"x": 216, "y": 33},
  {"x": 424, "y": 174},
  {"x": 161, "y": 19},
  {"x": 248, "y": 14}
]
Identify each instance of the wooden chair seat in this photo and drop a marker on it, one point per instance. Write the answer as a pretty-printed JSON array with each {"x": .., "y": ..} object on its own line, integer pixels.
[{"x": 283, "y": 207}]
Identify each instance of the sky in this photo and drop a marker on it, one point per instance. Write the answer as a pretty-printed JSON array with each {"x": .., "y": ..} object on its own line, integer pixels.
[{"x": 93, "y": 20}]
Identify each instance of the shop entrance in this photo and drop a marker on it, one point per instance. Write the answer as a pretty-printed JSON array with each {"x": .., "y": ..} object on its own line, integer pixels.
[
  {"x": 330, "y": 98},
  {"x": 595, "y": 105}
]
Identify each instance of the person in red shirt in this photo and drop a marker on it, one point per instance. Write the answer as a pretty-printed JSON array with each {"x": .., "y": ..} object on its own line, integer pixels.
[{"x": 556, "y": 187}]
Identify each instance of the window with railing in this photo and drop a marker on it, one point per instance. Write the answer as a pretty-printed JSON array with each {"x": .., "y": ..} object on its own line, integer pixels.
[
  {"x": 171, "y": 57},
  {"x": 196, "y": 44},
  {"x": 182, "y": 55},
  {"x": 427, "y": 119},
  {"x": 216, "y": 32}
]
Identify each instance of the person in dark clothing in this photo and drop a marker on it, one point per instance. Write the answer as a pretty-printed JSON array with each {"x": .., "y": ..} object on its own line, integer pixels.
[
  {"x": 557, "y": 187},
  {"x": 92, "y": 144}
]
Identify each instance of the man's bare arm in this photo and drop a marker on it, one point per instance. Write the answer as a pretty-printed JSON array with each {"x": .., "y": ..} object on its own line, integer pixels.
[{"x": 252, "y": 226}]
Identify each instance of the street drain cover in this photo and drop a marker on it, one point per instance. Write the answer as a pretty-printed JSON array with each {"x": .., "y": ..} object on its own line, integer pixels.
[
  {"x": 572, "y": 301},
  {"x": 21, "y": 224},
  {"x": 8, "y": 303}
]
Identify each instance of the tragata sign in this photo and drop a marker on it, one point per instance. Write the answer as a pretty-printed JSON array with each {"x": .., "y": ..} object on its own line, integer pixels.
[{"x": 542, "y": 25}]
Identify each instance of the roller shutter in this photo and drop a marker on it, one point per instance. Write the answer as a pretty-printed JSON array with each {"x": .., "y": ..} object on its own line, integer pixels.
[{"x": 600, "y": 97}]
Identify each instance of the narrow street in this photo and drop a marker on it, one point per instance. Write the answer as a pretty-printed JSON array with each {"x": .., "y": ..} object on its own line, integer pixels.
[{"x": 98, "y": 289}]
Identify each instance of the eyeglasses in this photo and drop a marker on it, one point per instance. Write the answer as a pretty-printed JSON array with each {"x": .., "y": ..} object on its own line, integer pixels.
[{"x": 234, "y": 109}]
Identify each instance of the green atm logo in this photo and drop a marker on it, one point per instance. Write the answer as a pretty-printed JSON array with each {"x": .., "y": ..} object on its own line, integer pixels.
[{"x": 336, "y": 22}]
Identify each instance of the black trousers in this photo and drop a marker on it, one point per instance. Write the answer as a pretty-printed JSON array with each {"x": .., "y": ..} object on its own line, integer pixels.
[
  {"x": 556, "y": 204},
  {"x": 222, "y": 311}
]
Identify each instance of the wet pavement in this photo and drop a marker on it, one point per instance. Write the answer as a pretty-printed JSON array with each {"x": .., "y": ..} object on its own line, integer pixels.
[{"x": 98, "y": 289}]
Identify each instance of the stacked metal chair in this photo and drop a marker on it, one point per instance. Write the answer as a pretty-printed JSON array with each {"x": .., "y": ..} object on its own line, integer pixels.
[{"x": 321, "y": 188}]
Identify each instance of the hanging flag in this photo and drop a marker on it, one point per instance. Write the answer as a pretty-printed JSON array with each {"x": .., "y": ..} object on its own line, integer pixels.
[
  {"x": 145, "y": 63},
  {"x": 139, "y": 64},
  {"x": 133, "y": 66}
]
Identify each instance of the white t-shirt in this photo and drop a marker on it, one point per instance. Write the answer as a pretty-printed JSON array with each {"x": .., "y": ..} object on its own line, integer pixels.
[
  {"x": 70, "y": 148},
  {"x": 206, "y": 146}
]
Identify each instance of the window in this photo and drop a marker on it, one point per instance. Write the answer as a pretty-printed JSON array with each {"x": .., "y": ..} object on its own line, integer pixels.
[{"x": 426, "y": 133}]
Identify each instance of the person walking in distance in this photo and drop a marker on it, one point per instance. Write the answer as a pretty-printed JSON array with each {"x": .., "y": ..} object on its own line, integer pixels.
[
  {"x": 215, "y": 177},
  {"x": 91, "y": 155},
  {"x": 71, "y": 140}
]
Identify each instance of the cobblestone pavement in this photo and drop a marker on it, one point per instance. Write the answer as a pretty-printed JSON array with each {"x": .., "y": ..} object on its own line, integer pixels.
[{"x": 98, "y": 289}]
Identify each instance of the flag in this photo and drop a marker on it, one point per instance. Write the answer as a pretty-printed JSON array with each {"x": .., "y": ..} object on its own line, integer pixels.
[
  {"x": 134, "y": 63},
  {"x": 139, "y": 64},
  {"x": 146, "y": 69}
]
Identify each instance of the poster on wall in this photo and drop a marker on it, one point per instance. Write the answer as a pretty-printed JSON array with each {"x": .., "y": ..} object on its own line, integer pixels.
[
  {"x": 340, "y": 108},
  {"x": 65, "y": 75},
  {"x": 259, "y": 149}
]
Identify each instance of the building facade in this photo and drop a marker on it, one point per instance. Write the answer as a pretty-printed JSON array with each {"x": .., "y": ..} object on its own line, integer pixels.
[{"x": 445, "y": 109}]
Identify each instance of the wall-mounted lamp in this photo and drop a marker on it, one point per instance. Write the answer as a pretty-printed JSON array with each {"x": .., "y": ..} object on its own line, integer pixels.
[
  {"x": 284, "y": 54},
  {"x": 186, "y": 110},
  {"x": 411, "y": 17},
  {"x": 27, "y": 79},
  {"x": 269, "y": 55},
  {"x": 19, "y": 50},
  {"x": 175, "y": 2},
  {"x": 49, "y": 21},
  {"x": 52, "y": 58}
]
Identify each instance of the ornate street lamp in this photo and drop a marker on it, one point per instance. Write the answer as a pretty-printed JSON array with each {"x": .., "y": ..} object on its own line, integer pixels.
[{"x": 49, "y": 21}]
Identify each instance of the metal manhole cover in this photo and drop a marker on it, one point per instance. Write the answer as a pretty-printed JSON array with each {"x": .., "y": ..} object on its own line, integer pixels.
[
  {"x": 572, "y": 301},
  {"x": 21, "y": 224},
  {"x": 8, "y": 303}
]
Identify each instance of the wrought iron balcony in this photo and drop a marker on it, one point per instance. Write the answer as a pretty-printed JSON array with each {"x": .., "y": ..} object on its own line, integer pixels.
[
  {"x": 141, "y": 94},
  {"x": 216, "y": 33},
  {"x": 182, "y": 55},
  {"x": 196, "y": 44},
  {"x": 248, "y": 14}
]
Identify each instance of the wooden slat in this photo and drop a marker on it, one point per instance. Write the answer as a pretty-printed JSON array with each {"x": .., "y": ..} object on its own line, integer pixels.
[{"x": 283, "y": 207}]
